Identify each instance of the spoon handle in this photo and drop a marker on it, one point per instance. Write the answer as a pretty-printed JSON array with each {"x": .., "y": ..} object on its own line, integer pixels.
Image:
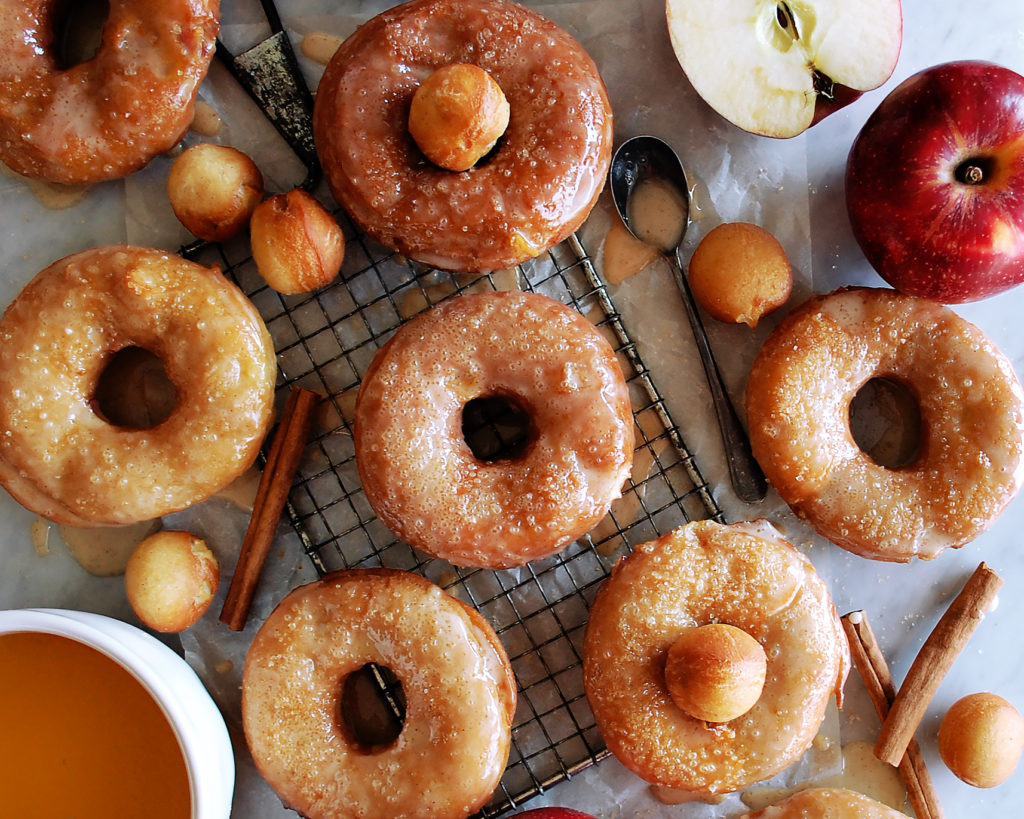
[{"x": 747, "y": 478}]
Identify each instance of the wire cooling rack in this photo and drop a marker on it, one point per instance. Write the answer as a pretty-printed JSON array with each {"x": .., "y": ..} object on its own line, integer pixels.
[{"x": 325, "y": 342}]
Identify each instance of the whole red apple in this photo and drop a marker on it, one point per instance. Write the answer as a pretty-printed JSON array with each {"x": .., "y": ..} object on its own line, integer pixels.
[
  {"x": 935, "y": 183},
  {"x": 553, "y": 813}
]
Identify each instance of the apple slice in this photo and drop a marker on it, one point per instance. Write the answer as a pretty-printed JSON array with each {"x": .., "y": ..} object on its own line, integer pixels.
[{"x": 776, "y": 68}]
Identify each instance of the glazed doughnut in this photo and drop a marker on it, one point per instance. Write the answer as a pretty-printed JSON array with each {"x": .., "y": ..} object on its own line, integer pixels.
[
  {"x": 744, "y": 575},
  {"x": 110, "y": 115},
  {"x": 419, "y": 473},
  {"x": 827, "y": 803},
  {"x": 970, "y": 461},
  {"x": 534, "y": 190},
  {"x": 59, "y": 457},
  {"x": 459, "y": 690}
]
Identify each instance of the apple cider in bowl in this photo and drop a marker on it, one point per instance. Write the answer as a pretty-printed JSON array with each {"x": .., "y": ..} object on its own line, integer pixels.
[{"x": 82, "y": 737}]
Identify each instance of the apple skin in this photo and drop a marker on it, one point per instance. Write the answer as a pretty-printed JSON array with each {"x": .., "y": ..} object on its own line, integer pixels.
[
  {"x": 553, "y": 813},
  {"x": 926, "y": 229},
  {"x": 841, "y": 97}
]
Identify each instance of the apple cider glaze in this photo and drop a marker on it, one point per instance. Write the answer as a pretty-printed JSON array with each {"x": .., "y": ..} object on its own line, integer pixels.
[
  {"x": 971, "y": 457},
  {"x": 862, "y": 772},
  {"x": 59, "y": 456},
  {"x": 658, "y": 214},
  {"x": 535, "y": 188},
  {"x": 834, "y": 803},
  {"x": 108, "y": 116},
  {"x": 624, "y": 255}
]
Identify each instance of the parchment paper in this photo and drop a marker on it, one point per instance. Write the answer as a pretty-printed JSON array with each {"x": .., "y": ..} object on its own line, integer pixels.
[{"x": 735, "y": 176}]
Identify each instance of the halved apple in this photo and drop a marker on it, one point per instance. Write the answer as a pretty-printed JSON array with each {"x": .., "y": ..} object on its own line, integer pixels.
[{"x": 775, "y": 68}]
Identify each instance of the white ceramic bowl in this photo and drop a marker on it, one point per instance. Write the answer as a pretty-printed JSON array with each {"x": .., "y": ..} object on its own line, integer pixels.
[{"x": 196, "y": 720}]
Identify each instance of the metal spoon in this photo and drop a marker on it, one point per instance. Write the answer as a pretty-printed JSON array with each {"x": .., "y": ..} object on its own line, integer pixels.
[{"x": 647, "y": 157}]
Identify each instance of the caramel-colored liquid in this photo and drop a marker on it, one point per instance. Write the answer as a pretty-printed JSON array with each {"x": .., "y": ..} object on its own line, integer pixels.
[
  {"x": 80, "y": 736},
  {"x": 657, "y": 214},
  {"x": 625, "y": 255}
]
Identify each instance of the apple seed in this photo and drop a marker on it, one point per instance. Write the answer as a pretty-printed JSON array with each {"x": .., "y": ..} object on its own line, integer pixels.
[
  {"x": 784, "y": 14},
  {"x": 823, "y": 85}
]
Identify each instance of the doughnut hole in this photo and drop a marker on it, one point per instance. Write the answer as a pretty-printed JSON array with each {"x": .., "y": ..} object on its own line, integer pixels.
[
  {"x": 297, "y": 244},
  {"x": 497, "y": 427},
  {"x": 715, "y": 672},
  {"x": 885, "y": 422},
  {"x": 739, "y": 273},
  {"x": 170, "y": 579},
  {"x": 133, "y": 390},
  {"x": 213, "y": 190},
  {"x": 980, "y": 739},
  {"x": 371, "y": 708},
  {"x": 457, "y": 116}
]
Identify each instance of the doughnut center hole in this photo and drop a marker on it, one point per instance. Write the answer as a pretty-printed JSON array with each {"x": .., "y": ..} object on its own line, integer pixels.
[
  {"x": 133, "y": 391},
  {"x": 372, "y": 708},
  {"x": 885, "y": 421},
  {"x": 78, "y": 31},
  {"x": 496, "y": 427}
]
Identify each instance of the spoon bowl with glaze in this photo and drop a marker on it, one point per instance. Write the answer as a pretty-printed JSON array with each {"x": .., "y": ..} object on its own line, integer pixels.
[{"x": 651, "y": 194}]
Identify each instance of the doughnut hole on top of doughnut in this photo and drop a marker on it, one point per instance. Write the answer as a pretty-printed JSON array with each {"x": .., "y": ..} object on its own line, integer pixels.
[
  {"x": 715, "y": 672},
  {"x": 457, "y": 116},
  {"x": 296, "y": 243},
  {"x": 980, "y": 739},
  {"x": 213, "y": 190},
  {"x": 170, "y": 580},
  {"x": 529, "y": 193},
  {"x": 705, "y": 573},
  {"x": 739, "y": 273}
]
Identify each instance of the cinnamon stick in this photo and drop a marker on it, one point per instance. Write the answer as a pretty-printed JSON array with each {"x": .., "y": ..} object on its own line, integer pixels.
[
  {"x": 874, "y": 670},
  {"x": 282, "y": 461},
  {"x": 946, "y": 641}
]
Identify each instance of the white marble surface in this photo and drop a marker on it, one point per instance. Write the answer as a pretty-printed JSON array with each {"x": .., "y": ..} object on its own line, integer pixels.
[{"x": 794, "y": 188}]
